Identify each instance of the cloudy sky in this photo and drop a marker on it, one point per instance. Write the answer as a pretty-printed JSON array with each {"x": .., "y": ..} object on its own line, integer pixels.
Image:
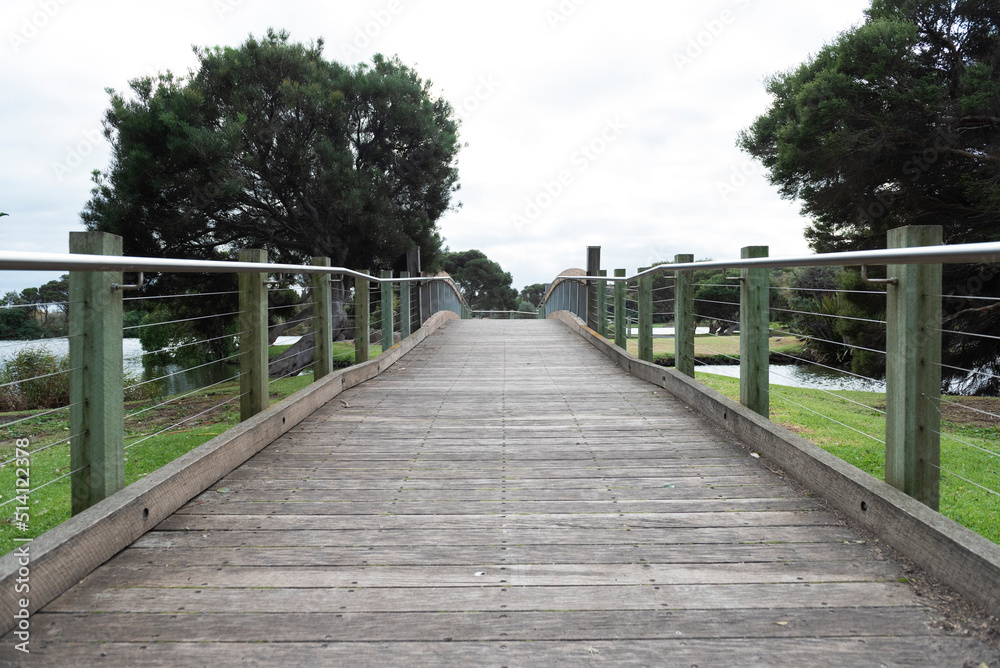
[{"x": 588, "y": 122}]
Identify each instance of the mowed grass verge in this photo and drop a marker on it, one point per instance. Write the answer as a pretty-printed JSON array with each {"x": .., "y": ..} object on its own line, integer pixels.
[{"x": 970, "y": 442}]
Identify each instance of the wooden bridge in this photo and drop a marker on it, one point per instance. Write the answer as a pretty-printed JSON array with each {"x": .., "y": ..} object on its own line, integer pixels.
[{"x": 503, "y": 494}]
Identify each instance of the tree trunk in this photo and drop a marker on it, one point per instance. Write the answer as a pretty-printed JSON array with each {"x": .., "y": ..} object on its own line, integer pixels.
[
  {"x": 294, "y": 360},
  {"x": 300, "y": 356}
]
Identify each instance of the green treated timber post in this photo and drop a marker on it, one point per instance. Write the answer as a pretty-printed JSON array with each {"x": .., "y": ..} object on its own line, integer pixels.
[
  {"x": 97, "y": 447},
  {"x": 620, "y": 316},
  {"x": 322, "y": 296},
  {"x": 754, "y": 326},
  {"x": 913, "y": 371},
  {"x": 253, "y": 340},
  {"x": 646, "y": 318},
  {"x": 593, "y": 267},
  {"x": 362, "y": 317},
  {"x": 388, "y": 324},
  {"x": 684, "y": 318},
  {"x": 602, "y": 305},
  {"x": 405, "y": 319}
]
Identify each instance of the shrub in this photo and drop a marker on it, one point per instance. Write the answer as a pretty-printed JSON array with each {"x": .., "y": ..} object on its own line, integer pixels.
[{"x": 34, "y": 378}]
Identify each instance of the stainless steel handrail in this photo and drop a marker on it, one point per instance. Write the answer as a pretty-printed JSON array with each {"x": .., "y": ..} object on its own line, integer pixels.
[
  {"x": 955, "y": 254},
  {"x": 25, "y": 261}
]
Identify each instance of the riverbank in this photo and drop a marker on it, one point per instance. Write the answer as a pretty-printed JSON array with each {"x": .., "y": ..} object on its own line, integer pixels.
[{"x": 713, "y": 347}]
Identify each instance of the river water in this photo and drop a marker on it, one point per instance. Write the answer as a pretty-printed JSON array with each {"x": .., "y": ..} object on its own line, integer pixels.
[
  {"x": 807, "y": 376},
  {"x": 173, "y": 379}
]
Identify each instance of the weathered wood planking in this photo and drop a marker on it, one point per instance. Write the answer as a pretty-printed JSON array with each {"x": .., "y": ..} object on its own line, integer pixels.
[
  {"x": 677, "y": 651},
  {"x": 503, "y": 495}
]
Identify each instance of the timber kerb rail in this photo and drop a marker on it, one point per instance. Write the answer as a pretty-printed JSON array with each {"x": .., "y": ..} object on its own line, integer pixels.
[{"x": 95, "y": 323}]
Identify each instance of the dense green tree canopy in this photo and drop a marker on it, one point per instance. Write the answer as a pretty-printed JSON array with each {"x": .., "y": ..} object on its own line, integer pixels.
[
  {"x": 270, "y": 145},
  {"x": 897, "y": 122},
  {"x": 484, "y": 284},
  {"x": 533, "y": 294}
]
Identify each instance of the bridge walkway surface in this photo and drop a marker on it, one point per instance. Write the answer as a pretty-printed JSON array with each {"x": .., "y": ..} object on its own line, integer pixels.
[{"x": 503, "y": 495}]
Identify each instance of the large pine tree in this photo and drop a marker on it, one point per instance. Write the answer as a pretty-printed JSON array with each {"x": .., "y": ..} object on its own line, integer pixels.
[{"x": 897, "y": 122}]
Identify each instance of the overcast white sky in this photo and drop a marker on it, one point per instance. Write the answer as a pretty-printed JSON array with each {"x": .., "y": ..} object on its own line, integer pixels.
[{"x": 617, "y": 121}]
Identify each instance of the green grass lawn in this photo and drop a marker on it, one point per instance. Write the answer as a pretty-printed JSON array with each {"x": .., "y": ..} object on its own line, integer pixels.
[
  {"x": 153, "y": 438},
  {"x": 857, "y": 434}
]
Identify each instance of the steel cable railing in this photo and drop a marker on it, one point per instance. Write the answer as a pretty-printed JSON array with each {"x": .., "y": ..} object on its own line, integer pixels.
[
  {"x": 821, "y": 330},
  {"x": 183, "y": 344}
]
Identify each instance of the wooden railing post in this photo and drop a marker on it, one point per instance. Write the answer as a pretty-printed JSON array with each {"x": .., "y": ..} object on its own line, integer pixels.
[
  {"x": 621, "y": 317},
  {"x": 322, "y": 298},
  {"x": 684, "y": 318},
  {"x": 646, "y": 318},
  {"x": 602, "y": 305},
  {"x": 592, "y": 313},
  {"x": 362, "y": 316},
  {"x": 253, "y": 340},
  {"x": 405, "y": 317},
  {"x": 913, "y": 371},
  {"x": 754, "y": 326},
  {"x": 388, "y": 322},
  {"x": 97, "y": 445}
]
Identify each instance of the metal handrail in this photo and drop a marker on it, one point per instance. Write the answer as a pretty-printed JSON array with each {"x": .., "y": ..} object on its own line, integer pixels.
[
  {"x": 27, "y": 261},
  {"x": 955, "y": 254}
]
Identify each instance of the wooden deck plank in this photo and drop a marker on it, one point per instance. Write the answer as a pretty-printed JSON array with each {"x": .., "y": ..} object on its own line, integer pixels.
[
  {"x": 774, "y": 652},
  {"x": 486, "y": 574},
  {"x": 741, "y": 536},
  {"x": 476, "y": 555},
  {"x": 594, "y": 521},
  {"x": 502, "y": 495},
  {"x": 490, "y": 626},
  {"x": 188, "y": 599}
]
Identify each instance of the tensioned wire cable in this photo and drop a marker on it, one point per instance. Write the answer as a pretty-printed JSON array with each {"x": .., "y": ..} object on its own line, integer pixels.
[
  {"x": 41, "y": 449},
  {"x": 184, "y": 345},
  {"x": 292, "y": 356},
  {"x": 971, "y": 371},
  {"x": 806, "y": 408},
  {"x": 831, "y": 316},
  {"x": 290, "y": 322},
  {"x": 175, "y": 322},
  {"x": 836, "y": 343},
  {"x": 183, "y": 371},
  {"x": 47, "y": 375},
  {"x": 988, "y": 299},
  {"x": 824, "y": 366},
  {"x": 842, "y": 292},
  {"x": 183, "y": 396},
  {"x": 194, "y": 294},
  {"x": 184, "y": 421},
  {"x": 968, "y": 408},
  {"x": 778, "y": 395},
  {"x": 35, "y": 416},
  {"x": 962, "y": 478},
  {"x": 43, "y": 486},
  {"x": 975, "y": 334}
]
